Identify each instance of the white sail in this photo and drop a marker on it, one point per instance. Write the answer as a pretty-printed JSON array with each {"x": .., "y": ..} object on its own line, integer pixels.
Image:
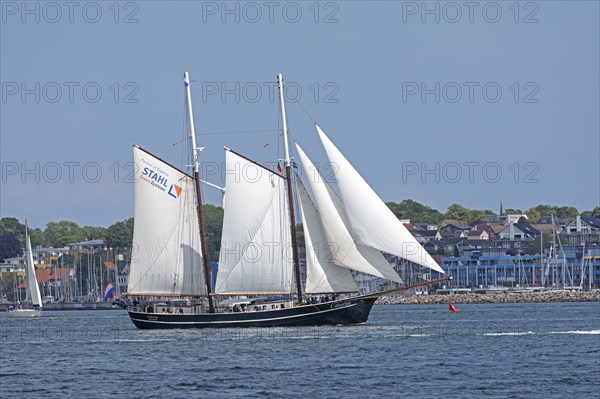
[
  {"x": 372, "y": 255},
  {"x": 344, "y": 251},
  {"x": 256, "y": 252},
  {"x": 32, "y": 285},
  {"x": 371, "y": 221},
  {"x": 321, "y": 275},
  {"x": 166, "y": 253}
]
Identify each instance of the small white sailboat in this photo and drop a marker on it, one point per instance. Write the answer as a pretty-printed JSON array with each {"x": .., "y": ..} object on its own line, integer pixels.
[{"x": 32, "y": 287}]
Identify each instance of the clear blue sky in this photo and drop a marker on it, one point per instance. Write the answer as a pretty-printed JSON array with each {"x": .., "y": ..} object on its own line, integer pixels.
[{"x": 362, "y": 67}]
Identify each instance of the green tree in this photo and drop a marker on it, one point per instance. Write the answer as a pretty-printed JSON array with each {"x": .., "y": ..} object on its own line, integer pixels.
[
  {"x": 10, "y": 247},
  {"x": 566, "y": 213},
  {"x": 120, "y": 234},
  {"x": 94, "y": 233},
  {"x": 457, "y": 212},
  {"x": 477, "y": 215},
  {"x": 13, "y": 225},
  {"x": 7, "y": 285},
  {"x": 59, "y": 234},
  {"x": 470, "y": 216},
  {"x": 593, "y": 213},
  {"x": 533, "y": 214},
  {"x": 37, "y": 237},
  {"x": 300, "y": 236},
  {"x": 213, "y": 218},
  {"x": 416, "y": 212},
  {"x": 512, "y": 211},
  {"x": 542, "y": 209}
]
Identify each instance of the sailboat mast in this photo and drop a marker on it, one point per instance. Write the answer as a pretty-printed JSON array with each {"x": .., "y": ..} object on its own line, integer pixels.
[
  {"x": 288, "y": 173},
  {"x": 196, "y": 163},
  {"x": 541, "y": 262}
]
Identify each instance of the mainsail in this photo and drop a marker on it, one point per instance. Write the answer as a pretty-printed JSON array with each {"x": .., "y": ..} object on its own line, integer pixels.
[
  {"x": 371, "y": 221},
  {"x": 345, "y": 252},
  {"x": 32, "y": 285},
  {"x": 166, "y": 253},
  {"x": 321, "y": 274},
  {"x": 256, "y": 253}
]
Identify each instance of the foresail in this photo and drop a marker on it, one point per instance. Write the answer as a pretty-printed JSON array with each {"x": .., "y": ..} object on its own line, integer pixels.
[
  {"x": 321, "y": 275},
  {"x": 166, "y": 251},
  {"x": 371, "y": 221},
  {"x": 32, "y": 284},
  {"x": 344, "y": 250},
  {"x": 372, "y": 255},
  {"x": 256, "y": 252}
]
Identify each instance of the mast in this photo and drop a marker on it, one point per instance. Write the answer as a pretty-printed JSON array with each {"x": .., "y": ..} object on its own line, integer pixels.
[
  {"x": 582, "y": 273},
  {"x": 196, "y": 163},
  {"x": 541, "y": 263},
  {"x": 32, "y": 285},
  {"x": 288, "y": 172},
  {"x": 590, "y": 276}
]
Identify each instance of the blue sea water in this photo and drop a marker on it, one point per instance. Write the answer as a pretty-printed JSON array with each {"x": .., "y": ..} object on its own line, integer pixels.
[{"x": 411, "y": 351}]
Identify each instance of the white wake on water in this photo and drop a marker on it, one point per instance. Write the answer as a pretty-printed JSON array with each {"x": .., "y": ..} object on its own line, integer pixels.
[
  {"x": 498, "y": 334},
  {"x": 513, "y": 333}
]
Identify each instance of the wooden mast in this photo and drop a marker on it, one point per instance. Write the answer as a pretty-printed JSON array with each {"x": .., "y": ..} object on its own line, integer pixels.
[
  {"x": 288, "y": 174},
  {"x": 196, "y": 163}
]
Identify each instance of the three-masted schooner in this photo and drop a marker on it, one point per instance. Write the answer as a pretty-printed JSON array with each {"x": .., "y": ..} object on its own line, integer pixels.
[{"x": 259, "y": 267}]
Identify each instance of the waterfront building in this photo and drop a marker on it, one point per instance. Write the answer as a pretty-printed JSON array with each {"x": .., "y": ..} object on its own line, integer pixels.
[
  {"x": 584, "y": 229},
  {"x": 504, "y": 218},
  {"x": 575, "y": 267}
]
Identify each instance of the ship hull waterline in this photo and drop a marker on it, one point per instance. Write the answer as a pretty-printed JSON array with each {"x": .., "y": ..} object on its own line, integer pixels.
[{"x": 346, "y": 311}]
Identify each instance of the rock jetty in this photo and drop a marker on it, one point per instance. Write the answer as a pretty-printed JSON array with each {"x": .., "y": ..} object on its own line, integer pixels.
[{"x": 505, "y": 297}]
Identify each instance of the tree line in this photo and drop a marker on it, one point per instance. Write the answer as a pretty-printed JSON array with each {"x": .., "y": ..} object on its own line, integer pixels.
[
  {"x": 120, "y": 234},
  {"x": 417, "y": 213}
]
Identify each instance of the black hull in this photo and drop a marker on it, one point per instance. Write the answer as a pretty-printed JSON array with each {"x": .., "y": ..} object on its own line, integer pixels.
[{"x": 341, "y": 312}]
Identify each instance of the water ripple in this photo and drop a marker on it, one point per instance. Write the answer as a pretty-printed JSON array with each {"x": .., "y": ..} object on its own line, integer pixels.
[{"x": 498, "y": 351}]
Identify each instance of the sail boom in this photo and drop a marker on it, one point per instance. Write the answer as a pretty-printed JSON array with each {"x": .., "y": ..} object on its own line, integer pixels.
[
  {"x": 251, "y": 293},
  {"x": 162, "y": 294}
]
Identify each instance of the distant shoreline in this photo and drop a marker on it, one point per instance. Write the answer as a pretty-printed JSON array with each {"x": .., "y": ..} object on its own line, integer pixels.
[{"x": 513, "y": 297}]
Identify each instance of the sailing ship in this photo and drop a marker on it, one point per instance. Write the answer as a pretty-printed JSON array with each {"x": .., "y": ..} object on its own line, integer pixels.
[
  {"x": 259, "y": 280},
  {"x": 32, "y": 287}
]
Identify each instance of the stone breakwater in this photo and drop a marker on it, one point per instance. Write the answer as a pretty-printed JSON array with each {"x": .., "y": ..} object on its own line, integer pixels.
[{"x": 513, "y": 297}]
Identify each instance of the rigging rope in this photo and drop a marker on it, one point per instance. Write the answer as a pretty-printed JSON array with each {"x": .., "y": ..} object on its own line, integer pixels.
[
  {"x": 306, "y": 112},
  {"x": 236, "y": 132}
]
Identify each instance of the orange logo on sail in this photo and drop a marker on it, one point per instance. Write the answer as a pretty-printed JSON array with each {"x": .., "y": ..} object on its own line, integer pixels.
[{"x": 175, "y": 191}]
